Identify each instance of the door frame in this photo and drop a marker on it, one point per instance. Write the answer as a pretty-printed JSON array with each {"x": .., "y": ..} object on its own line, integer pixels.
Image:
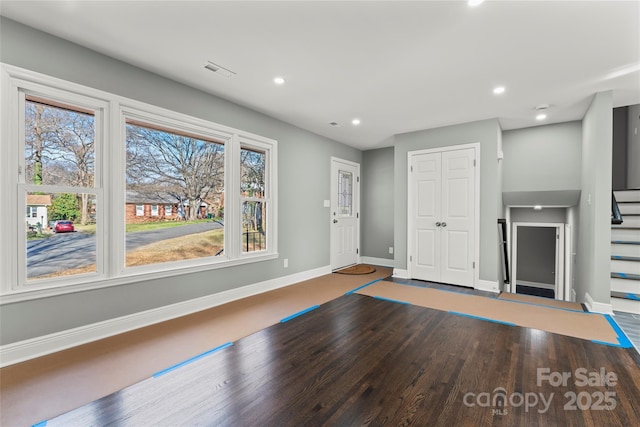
[
  {"x": 410, "y": 204},
  {"x": 561, "y": 277},
  {"x": 356, "y": 207}
]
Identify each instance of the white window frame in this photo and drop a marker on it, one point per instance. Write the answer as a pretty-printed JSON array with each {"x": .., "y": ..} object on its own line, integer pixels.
[
  {"x": 168, "y": 212},
  {"x": 139, "y": 210},
  {"x": 112, "y": 112}
]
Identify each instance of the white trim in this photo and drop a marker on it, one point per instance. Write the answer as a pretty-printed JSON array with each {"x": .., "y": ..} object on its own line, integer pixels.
[
  {"x": 488, "y": 286},
  {"x": 47, "y": 344},
  {"x": 400, "y": 273},
  {"x": 596, "y": 307},
  {"x": 625, "y": 305},
  {"x": 382, "y": 262}
]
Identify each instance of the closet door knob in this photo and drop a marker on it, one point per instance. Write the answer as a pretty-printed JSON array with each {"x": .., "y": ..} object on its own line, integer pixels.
[
  {"x": 444, "y": 224},
  {"x": 438, "y": 224}
]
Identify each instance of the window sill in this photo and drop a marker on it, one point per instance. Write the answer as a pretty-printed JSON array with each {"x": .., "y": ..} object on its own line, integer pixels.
[{"x": 26, "y": 294}]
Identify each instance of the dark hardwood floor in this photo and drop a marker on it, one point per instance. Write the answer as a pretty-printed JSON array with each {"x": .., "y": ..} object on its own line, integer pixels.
[{"x": 357, "y": 360}]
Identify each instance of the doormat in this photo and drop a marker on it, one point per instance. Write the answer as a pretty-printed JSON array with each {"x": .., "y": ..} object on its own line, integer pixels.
[
  {"x": 589, "y": 326},
  {"x": 357, "y": 269},
  {"x": 567, "y": 305}
]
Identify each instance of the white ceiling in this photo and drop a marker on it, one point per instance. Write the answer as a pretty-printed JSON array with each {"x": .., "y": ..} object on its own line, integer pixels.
[{"x": 397, "y": 66}]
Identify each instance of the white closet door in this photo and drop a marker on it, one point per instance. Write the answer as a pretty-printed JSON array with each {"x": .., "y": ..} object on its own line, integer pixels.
[
  {"x": 457, "y": 217},
  {"x": 442, "y": 209},
  {"x": 427, "y": 188}
]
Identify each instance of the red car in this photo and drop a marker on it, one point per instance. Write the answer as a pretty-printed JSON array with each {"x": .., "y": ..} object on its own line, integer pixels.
[{"x": 64, "y": 227}]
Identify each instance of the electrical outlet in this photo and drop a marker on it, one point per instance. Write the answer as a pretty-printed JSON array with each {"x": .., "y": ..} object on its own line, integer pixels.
[
  {"x": 286, "y": 262},
  {"x": 390, "y": 249}
]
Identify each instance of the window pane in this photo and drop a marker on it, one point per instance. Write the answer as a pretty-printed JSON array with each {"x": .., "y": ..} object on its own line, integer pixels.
[
  {"x": 59, "y": 145},
  {"x": 254, "y": 226},
  {"x": 174, "y": 196},
  {"x": 58, "y": 244},
  {"x": 345, "y": 192},
  {"x": 252, "y": 173}
]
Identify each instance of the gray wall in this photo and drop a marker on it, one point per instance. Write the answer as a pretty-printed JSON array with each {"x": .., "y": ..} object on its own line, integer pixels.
[
  {"x": 620, "y": 134},
  {"x": 377, "y": 203},
  {"x": 542, "y": 158},
  {"x": 633, "y": 147},
  {"x": 486, "y": 132},
  {"x": 536, "y": 254},
  {"x": 594, "y": 227},
  {"x": 303, "y": 176}
]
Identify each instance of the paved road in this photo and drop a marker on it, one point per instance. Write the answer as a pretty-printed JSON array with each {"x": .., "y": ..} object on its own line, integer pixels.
[{"x": 72, "y": 250}]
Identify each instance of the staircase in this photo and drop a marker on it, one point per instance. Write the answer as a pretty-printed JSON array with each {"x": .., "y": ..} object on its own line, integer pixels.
[{"x": 625, "y": 253}]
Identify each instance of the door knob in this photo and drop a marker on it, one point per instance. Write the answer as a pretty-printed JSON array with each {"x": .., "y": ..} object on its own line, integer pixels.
[
  {"x": 335, "y": 220},
  {"x": 438, "y": 224},
  {"x": 444, "y": 224}
]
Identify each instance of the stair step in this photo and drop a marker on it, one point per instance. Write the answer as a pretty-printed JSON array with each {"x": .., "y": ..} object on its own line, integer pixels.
[
  {"x": 626, "y": 305},
  {"x": 629, "y": 208},
  {"x": 625, "y": 267},
  {"x": 625, "y": 286},
  {"x": 628, "y": 195},
  {"x": 626, "y": 276},
  {"x": 622, "y": 233},
  {"x": 623, "y": 249},
  {"x": 625, "y": 258},
  {"x": 627, "y": 295},
  {"x": 629, "y": 221}
]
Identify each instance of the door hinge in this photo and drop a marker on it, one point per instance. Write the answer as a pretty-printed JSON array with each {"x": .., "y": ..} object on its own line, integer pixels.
[
  {"x": 357, "y": 179},
  {"x": 357, "y": 251},
  {"x": 410, "y": 258},
  {"x": 357, "y": 215},
  {"x": 411, "y": 168},
  {"x": 474, "y": 163},
  {"x": 474, "y": 264}
]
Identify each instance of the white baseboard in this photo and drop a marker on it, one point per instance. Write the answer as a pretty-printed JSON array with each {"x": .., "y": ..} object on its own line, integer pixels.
[
  {"x": 382, "y": 262},
  {"x": 51, "y": 343},
  {"x": 597, "y": 307},
  {"x": 488, "y": 285},
  {"x": 401, "y": 273}
]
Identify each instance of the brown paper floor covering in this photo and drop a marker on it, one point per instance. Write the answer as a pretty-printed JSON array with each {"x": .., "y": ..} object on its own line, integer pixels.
[{"x": 583, "y": 325}]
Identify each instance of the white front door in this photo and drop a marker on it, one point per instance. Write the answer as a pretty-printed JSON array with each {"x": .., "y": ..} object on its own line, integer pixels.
[
  {"x": 345, "y": 215},
  {"x": 442, "y": 205}
]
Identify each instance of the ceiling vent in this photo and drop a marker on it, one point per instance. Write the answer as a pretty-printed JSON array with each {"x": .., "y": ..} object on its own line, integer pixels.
[{"x": 219, "y": 70}]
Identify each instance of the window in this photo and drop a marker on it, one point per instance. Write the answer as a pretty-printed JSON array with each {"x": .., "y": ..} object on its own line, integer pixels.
[
  {"x": 158, "y": 187},
  {"x": 59, "y": 162},
  {"x": 185, "y": 168},
  {"x": 252, "y": 192}
]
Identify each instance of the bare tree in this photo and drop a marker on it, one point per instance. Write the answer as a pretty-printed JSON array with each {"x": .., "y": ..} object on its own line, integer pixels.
[
  {"x": 188, "y": 168},
  {"x": 60, "y": 148}
]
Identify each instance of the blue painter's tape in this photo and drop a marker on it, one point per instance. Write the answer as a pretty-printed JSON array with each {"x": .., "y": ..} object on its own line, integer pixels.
[
  {"x": 623, "y": 341},
  {"x": 193, "y": 359},
  {"x": 363, "y": 286},
  {"x": 633, "y": 297},
  {"x": 391, "y": 300},
  {"x": 40, "y": 424},
  {"x": 482, "y": 318},
  {"x": 300, "y": 313}
]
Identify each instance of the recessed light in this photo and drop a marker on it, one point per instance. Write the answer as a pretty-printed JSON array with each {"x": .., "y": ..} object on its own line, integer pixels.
[
  {"x": 278, "y": 80},
  {"x": 541, "y": 116},
  {"x": 474, "y": 3},
  {"x": 498, "y": 90},
  {"x": 355, "y": 122}
]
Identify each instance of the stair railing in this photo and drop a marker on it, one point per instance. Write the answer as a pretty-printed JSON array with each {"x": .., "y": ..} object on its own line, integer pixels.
[{"x": 616, "y": 217}]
